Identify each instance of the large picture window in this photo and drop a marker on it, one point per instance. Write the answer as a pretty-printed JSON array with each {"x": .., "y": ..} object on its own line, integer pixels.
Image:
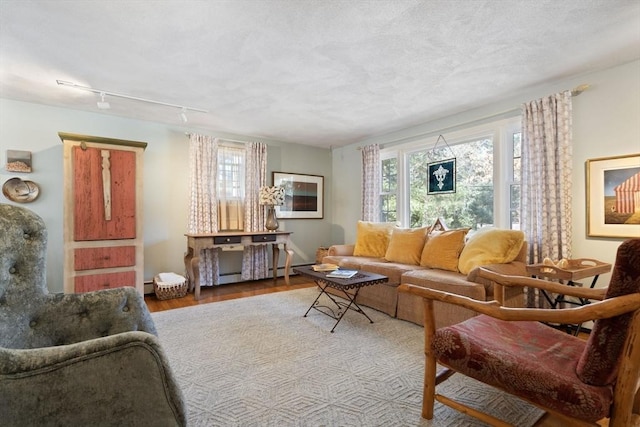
[{"x": 487, "y": 188}]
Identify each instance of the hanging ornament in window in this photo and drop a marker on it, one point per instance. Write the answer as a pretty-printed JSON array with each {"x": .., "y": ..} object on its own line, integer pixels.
[{"x": 442, "y": 173}]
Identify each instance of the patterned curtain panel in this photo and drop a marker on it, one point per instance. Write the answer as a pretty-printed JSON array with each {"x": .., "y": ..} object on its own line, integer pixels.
[
  {"x": 255, "y": 263},
  {"x": 546, "y": 178},
  {"x": 203, "y": 206},
  {"x": 371, "y": 183}
]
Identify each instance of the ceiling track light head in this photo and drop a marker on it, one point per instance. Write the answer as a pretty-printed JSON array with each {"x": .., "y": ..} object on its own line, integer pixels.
[{"x": 102, "y": 104}]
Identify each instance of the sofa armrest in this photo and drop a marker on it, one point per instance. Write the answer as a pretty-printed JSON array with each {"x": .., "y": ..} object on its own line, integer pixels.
[
  {"x": 123, "y": 378},
  {"x": 341, "y": 250}
]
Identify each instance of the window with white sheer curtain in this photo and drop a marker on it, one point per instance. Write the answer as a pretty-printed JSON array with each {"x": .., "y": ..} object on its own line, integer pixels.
[{"x": 231, "y": 188}]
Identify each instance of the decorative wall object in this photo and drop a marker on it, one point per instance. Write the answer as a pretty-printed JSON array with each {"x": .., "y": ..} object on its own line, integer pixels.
[
  {"x": 442, "y": 173},
  {"x": 303, "y": 195},
  {"x": 18, "y": 161},
  {"x": 19, "y": 191},
  {"x": 442, "y": 177},
  {"x": 613, "y": 196}
]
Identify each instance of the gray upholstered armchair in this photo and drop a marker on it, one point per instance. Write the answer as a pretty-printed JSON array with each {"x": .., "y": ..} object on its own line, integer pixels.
[{"x": 81, "y": 359}]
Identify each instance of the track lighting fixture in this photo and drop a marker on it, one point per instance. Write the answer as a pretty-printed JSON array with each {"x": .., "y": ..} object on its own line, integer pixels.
[{"x": 103, "y": 105}]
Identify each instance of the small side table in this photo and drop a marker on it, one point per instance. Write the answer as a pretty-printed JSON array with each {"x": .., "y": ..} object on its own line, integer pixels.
[
  {"x": 577, "y": 269},
  {"x": 360, "y": 280}
]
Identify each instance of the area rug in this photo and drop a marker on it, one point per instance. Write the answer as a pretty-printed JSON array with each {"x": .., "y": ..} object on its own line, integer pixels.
[{"x": 257, "y": 361}]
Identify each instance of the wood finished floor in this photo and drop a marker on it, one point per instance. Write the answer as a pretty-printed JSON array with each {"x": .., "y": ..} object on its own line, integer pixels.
[{"x": 261, "y": 287}]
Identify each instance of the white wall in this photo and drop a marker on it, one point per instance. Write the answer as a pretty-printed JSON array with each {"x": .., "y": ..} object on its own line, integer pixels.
[
  {"x": 34, "y": 127},
  {"x": 606, "y": 122}
]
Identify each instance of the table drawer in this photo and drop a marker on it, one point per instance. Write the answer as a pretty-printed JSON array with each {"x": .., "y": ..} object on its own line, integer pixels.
[
  {"x": 94, "y": 258},
  {"x": 225, "y": 240},
  {"x": 96, "y": 282},
  {"x": 264, "y": 238}
]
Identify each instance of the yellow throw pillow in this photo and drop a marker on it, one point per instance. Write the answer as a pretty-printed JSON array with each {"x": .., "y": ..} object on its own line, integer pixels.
[
  {"x": 443, "y": 248},
  {"x": 406, "y": 245},
  {"x": 490, "y": 246},
  {"x": 372, "y": 238}
]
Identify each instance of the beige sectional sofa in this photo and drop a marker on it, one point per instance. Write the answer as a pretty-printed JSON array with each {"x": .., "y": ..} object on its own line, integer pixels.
[{"x": 439, "y": 267}]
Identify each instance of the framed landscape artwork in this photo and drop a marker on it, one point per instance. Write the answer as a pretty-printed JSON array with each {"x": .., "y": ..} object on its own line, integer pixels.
[
  {"x": 613, "y": 196},
  {"x": 303, "y": 196}
]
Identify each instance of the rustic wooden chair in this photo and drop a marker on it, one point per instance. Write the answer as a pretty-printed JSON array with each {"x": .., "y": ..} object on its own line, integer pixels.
[{"x": 580, "y": 382}]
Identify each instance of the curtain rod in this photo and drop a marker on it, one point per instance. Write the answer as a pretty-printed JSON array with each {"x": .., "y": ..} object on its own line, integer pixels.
[
  {"x": 574, "y": 92},
  {"x": 188, "y": 134}
]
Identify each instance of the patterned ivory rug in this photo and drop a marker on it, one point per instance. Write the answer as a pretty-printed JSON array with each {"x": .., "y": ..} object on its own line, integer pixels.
[{"x": 258, "y": 362}]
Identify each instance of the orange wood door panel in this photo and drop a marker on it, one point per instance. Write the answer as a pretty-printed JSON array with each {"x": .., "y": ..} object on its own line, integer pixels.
[
  {"x": 92, "y": 258},
  {"x": 105, "y": 281},
  {"x": 90, "y": 221}
]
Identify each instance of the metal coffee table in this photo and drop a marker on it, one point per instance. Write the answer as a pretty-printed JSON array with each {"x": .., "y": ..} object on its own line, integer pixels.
[{"x": 360, "y": 280}]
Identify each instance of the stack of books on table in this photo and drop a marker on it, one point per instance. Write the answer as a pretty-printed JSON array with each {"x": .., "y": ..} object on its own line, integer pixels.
[
  {"x": 325, "y": 267},
  {"x": 342, "y": 274}
]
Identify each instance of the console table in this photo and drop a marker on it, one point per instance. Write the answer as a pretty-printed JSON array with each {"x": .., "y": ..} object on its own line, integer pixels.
[{"x": 198, "y": 242}]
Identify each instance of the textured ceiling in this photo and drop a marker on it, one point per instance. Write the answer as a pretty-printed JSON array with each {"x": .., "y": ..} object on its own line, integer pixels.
[{"x": 323, "y": 73}]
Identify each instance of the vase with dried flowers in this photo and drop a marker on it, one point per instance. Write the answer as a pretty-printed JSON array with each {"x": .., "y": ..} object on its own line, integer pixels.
[{"x": 271, "y": 197}]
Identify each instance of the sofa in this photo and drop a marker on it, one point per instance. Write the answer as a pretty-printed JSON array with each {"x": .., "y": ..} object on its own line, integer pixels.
[{"x": 445, "y": 260}]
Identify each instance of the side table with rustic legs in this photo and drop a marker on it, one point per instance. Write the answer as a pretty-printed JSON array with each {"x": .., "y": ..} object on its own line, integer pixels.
[{"x": 576, "y": 269}]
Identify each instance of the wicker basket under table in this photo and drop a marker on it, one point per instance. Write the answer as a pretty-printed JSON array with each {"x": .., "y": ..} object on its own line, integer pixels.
[
  {"x": 169, "y": 285},
  {"x": 321, "y": 253}
]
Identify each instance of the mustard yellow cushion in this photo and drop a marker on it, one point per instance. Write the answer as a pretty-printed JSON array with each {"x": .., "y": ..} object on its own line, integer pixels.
[
  {"x": 443, "y": 248},
  {"x": 490, "y": 246},
  {"x": 406, "y": 245},
  {"x": 372, "y": 238}
]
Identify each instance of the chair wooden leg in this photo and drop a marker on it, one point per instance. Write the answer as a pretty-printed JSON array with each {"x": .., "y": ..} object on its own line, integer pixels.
[{"x": 429, "y": 389}]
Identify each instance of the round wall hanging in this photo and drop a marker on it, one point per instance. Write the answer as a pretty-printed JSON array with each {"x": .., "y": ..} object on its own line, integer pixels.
[{"x": 20, "y": 191}]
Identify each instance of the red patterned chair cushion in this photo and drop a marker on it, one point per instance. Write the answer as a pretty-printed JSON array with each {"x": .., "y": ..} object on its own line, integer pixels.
[
  {"x": 528, "y": 359},
  {"x": 599, "y": 362}
]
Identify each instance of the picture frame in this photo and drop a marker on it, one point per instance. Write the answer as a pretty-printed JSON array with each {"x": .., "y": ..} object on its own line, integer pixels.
[
  {"x": 613, "y": 201},
  {"x": 442, "y": 176},
  {"x": 303, "y": 195}
]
